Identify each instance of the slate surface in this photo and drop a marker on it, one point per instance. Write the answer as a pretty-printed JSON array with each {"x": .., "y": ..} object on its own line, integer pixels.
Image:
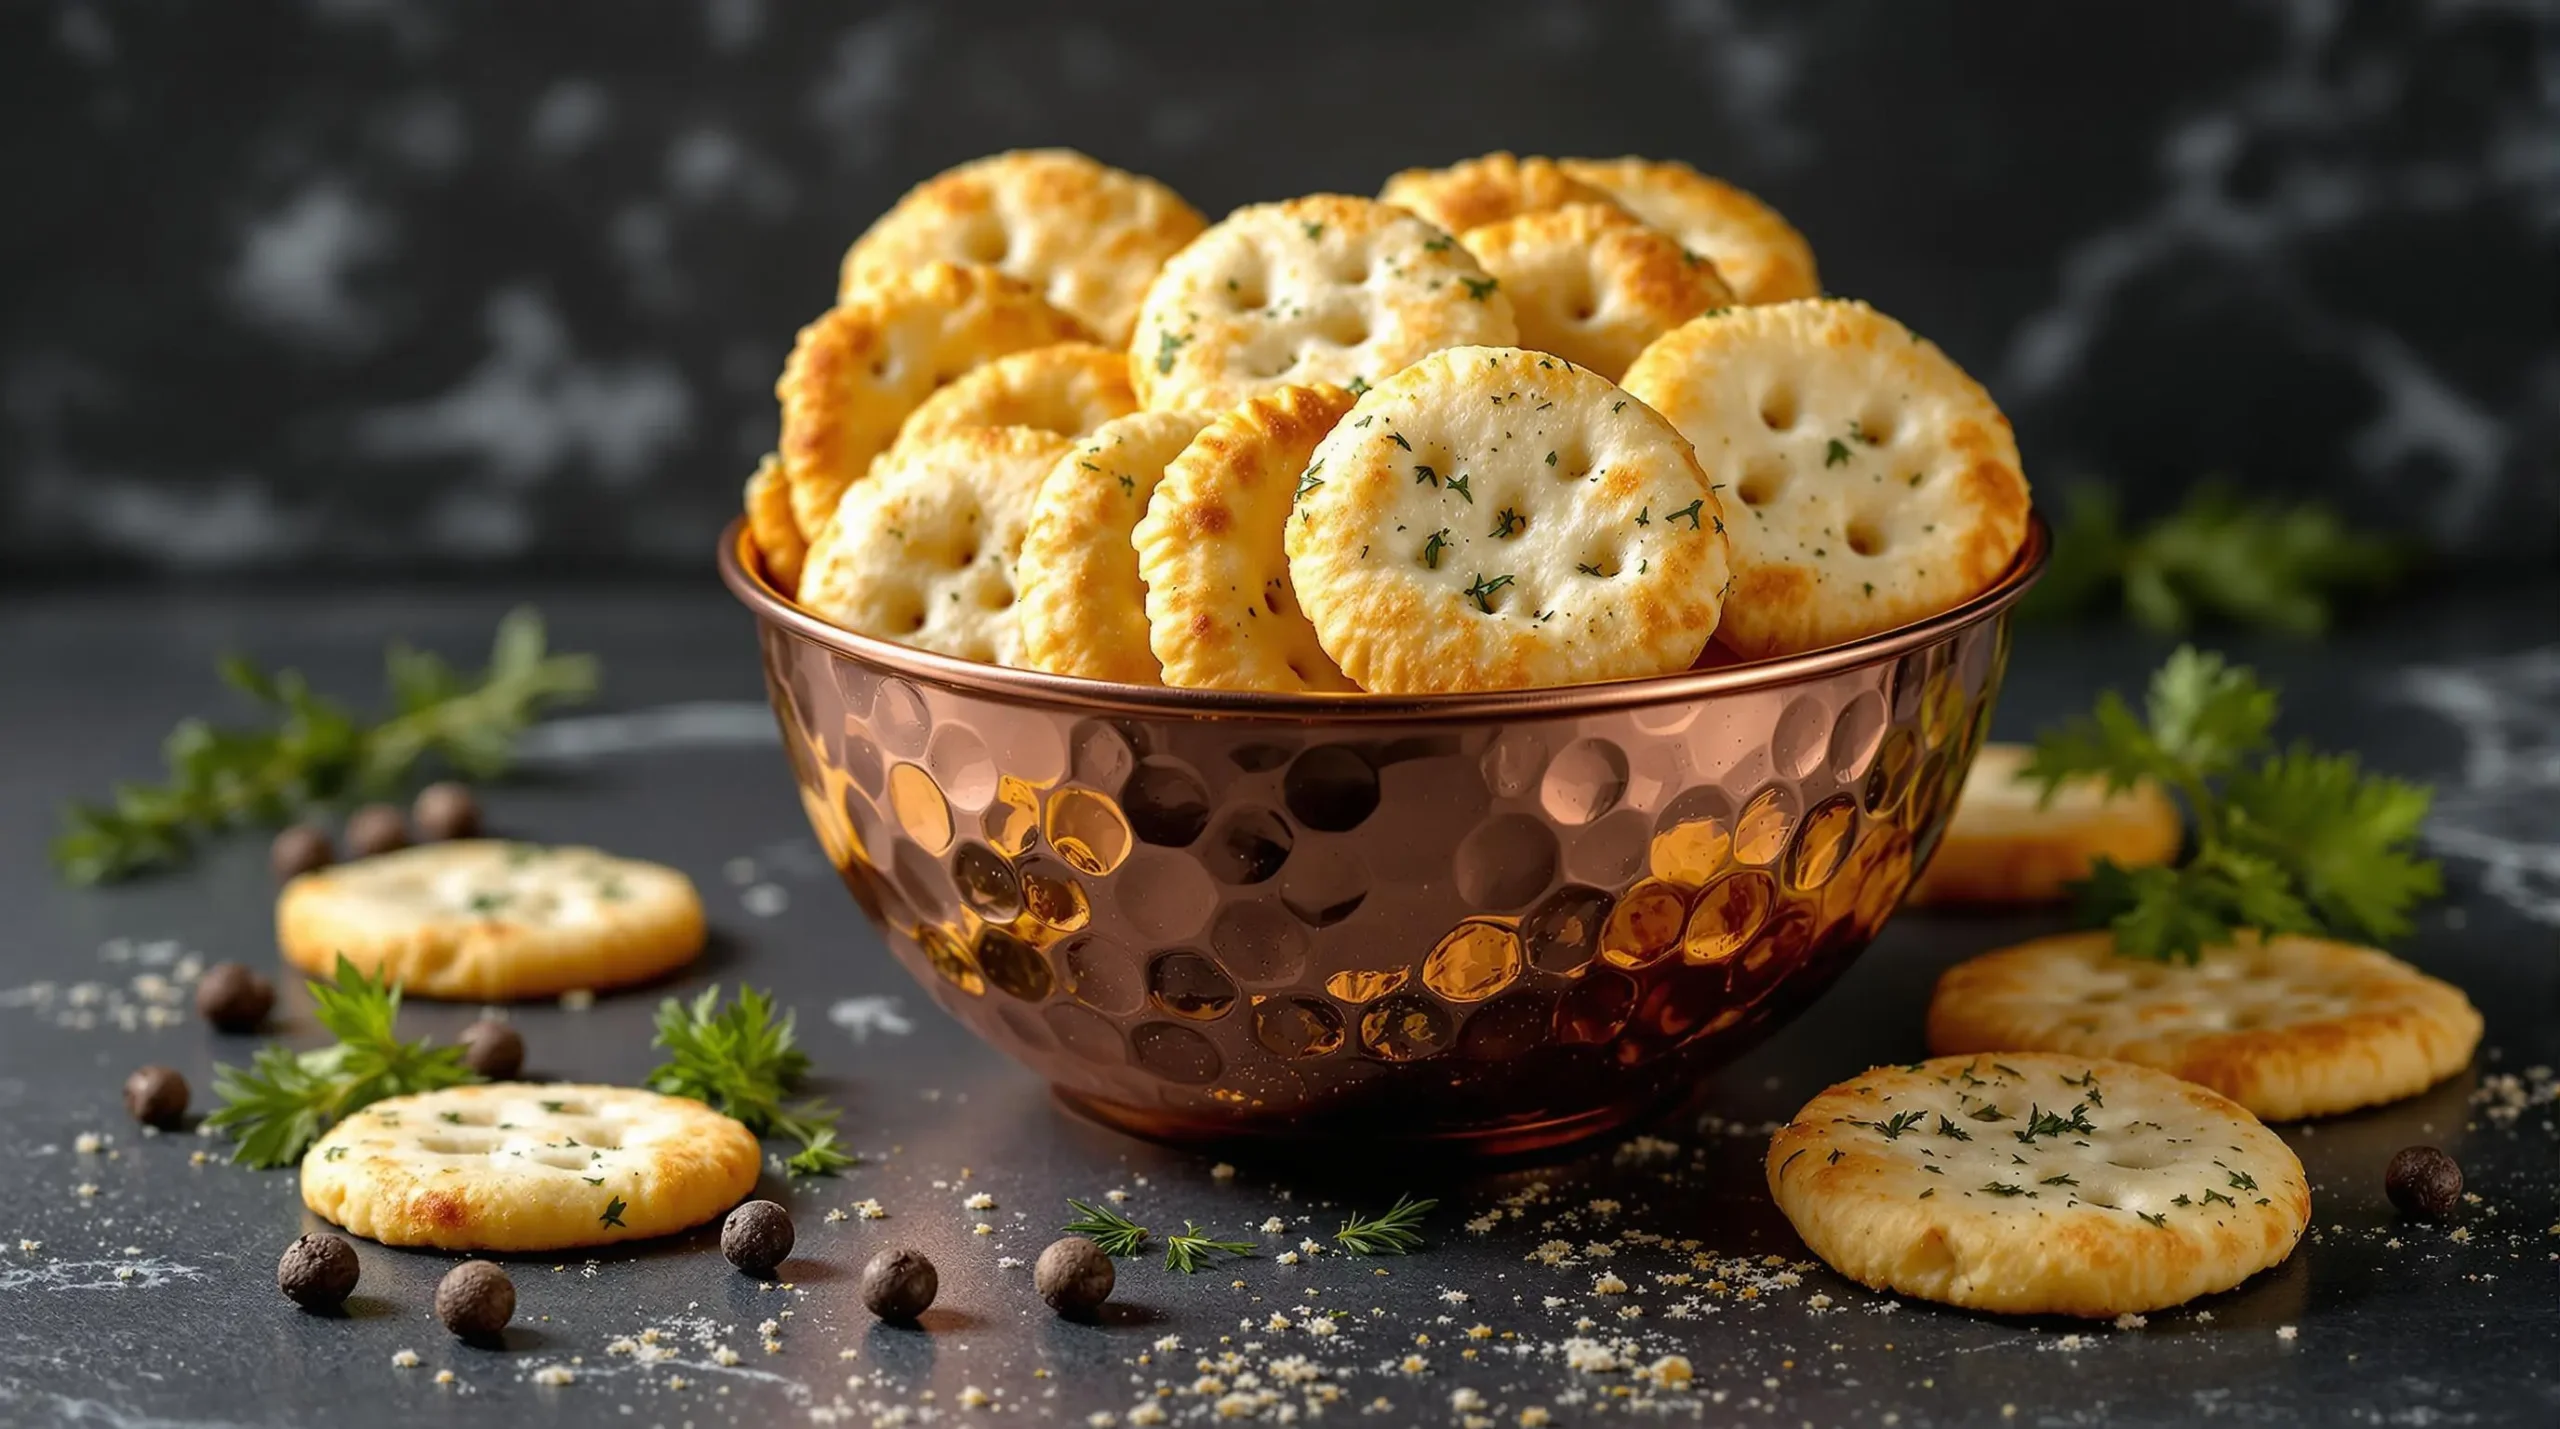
[{"x": 150, "y": 1301}]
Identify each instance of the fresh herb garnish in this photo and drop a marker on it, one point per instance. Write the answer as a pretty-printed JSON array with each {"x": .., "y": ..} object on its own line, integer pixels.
[
  {"x": 1835, "y": 453},
  {"x": 2004, "y": 1188},
  {"x": 2052, "y": 1123},
  {"x": 1396, "y": 1231},
  {"x": 1432, "y": 546},
  {"x": 2291, "y": 842},
  {"x": 1186, "y": 1251},
  {"x": 279, "y": 1104},
  {"x": 613, "y": 1212},
  {"x": 1892, "y": 1129},
  {"x": 319, "y": 753},
  {"x": 1482, "y": 591},
  {"x": 1425, "y": 476},
  {"x": 741, "y": 1060},
  {"x": 1167, "y": 346},
  {"x": 1480, "y": 288},
  {"x": 1458, "y": 484},
  {"x": 1690, "y": 511},
  {"x": 2260, "y": 564},
  {"x": 1949, "y": 1128},
  {"x": 1508, "y": 522},
  {"x": 1115, "y": 1233}
]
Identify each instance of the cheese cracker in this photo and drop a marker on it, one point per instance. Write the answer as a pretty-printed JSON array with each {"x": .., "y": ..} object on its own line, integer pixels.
[
  {"x": 1084, "y": 608},
  {"x": 923, "y": 551},
  {"x": 1322, "y": 289},
  {"x": 1069, "y": 388},
  {"x": 1488, "y": 189},
  {"x": 2030, "y": 1184},
  {"x": 525, "y": 1166},
  {"x": 1493, "y": 518},
  {"x": 1760, "y": 255},
  {"x": 773, "y": 528},
  {"x": 1868, "y": 482},
  {"x": 1086, "y": 236},
  {"x": 1221, "y": 613},
  {"x": 2286, "y": 1026},
  {"x": 857, "y": 372},
  {"x": 1590, "y": 283},
  {"x": 2006, "y": 844},
  {"x": 492, "y": 920}
]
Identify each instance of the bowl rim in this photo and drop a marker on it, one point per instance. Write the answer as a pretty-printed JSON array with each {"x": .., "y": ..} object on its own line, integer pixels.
[{"x": 744, "y": 576}]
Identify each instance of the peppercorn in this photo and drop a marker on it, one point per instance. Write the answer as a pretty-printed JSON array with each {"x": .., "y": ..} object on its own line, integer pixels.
[
  {"x": 758, "y": 1236},
  {"x": 476, "y": 1300},
  {"x": 1074, "y": 1276},
  {"x": 318, "y": 1272},
  {"x": 446, "y": 811},
  {"x": 2423, "y": 1182},
  {"x": 376, "y": 828},
  {"x": 157, "y": 1096},
  {"x": 299, "y": 849},
  {"x": 899, "y": 1284},
  {"x": 234, "y": 998},
  {"x": 493, "y": 1049}
]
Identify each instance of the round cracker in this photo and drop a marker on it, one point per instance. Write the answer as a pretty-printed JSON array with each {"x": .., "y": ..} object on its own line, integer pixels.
[
  {"x": 1868, "y": 481},
  {"x": 2286, "y": 1026},
  {"x": 1087, "y": 236},
  {"x": 1221, "y": 612},
  {"x": 1491, "y": 519},
  {"x": 1084, "y": 607},
  {"x": 2037, "y": 1185},
  {"x": 772, "y": 527},
  {"x": 1315, "y": 290},
  {"x": 1589, "y": 283},
  {"x": 1760, "y": 255},
  {"x": 1070, "y": 388},
  {"x": 2008, "y": 844},
  {"x": 525, "y": 1166},
  {"x": 923, "y": 552},
  {"x": 491, "y": 920},
  {"x": 1488, "y": 189},
  {"x": 857, "y": 372}
]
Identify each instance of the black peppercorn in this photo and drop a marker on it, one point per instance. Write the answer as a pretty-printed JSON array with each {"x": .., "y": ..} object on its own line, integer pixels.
[
  {"x": 476, "y": 1300},
  {"x": 233, "y": 998},
  {"x": 493, "y": 1049},
  {"x": 376, "y": 828},
  {"x": 2423, "y": 1182},
  {"x": 300, "y": 849},
  {"x": 1074, "y": 1276},
  {"x": 446, "y": 811},
  {"x": 317, "y": 1272},
  {"x": 157, "y": 1096},
  {"x": 899, "y": 1284},
  {"x": 758, "y": 1236}
]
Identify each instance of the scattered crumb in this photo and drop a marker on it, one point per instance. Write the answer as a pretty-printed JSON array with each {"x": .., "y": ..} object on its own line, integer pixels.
[
  {"x": 1607, "y": 1284},
  {"x": 1535, "y": 1417},
  {"x": 869, "y": 1210},
  {"x": 88, "y": 1143},
  {"x": 404, "y": 1359},
  {"x": 2131, "y": 1321},
  {"x": 576, "y": 999},
  {"x": 1274, "y": 1226},
  {"x": 556, "y": 1374},
  {"x": 1222, "y": 1172},
  {"x": 1115, "y": 1196},
  {"x": 85, "y": 1189},
  {"x": 979, "y": 1202},
  {"x": 445, "y": 1376},
  {"x": 1466, "y": 1401},
  {"x": 1670, "y": 1372},
  {"x": 972, "y": 1397},
  {"x": 2286, "y": 1332},
  {"x": 982, "y": 1228},
  {"x": 835, "y": 1214}
]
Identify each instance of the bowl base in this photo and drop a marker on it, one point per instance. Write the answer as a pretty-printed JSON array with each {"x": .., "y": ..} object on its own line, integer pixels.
[{"x": 1499, "y": 1139}]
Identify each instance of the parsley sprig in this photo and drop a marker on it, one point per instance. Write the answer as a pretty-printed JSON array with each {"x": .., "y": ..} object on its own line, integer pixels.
[
  {"x": 280, "y": 1103},
  {"x": 2282, "y": 842},
  {"x": 1395, "y": 1231},
  {"x": 2263, "y": 564},
  {"x": 317, "y": 752},
  {"x": 741, "y": 1060}
]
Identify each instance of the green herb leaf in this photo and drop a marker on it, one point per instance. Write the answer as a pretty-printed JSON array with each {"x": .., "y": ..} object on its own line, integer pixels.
[
  {"x": 317, "y": 753},
  {"x": 1187, "y": 1251},
  {"x": 2265, "y": 565},
  {"x": 281, "y": 1102},
  {"x": 1115, "y": 1233},
  {"x": 743, "y": 1060},
  {"x": 1396, "y": 1231}
]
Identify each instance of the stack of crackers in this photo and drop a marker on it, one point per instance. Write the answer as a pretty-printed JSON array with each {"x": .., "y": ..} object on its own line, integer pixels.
[{"x": 1515, "y": 422}]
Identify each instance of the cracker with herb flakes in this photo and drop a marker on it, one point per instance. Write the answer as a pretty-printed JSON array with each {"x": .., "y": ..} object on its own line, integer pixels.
[
  {"x": 1070, "y": 388},
  {"x": 1088, "y": 236},
  {"x": 2286, "y": 1026},
  {"x": 525, "y": 1166},
  {"x": 1221, "y": 613},
  {"x": 857, "y": 372},
  {"x": 1084, "y": 607},
  {"x": 1314, "y": 290},
  {"x": 1590, "y": 283},
  {"x": 923, "y": 551},
  {"x": 2030, "y": 1184},
  {"x": 1868, "y": 482},
  {"x": 1492, "y": 518},
  {"x": 2007, "y": 844},
  {"x": 1488, "y": 189},
  {"x": 771, "y": 526},
  {"x": 491, "y": 920},
  {"x": 1760, "y": 255}
]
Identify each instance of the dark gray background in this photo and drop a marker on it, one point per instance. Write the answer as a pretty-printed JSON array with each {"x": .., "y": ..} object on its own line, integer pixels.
[{"x": 378, "y": 284}]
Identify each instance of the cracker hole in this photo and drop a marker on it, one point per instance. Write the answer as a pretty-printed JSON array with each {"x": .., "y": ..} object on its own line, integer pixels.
[
  {"x": 1348, "y": 328},
  {"x": 997, "y": 596},
  {"x": 1877, "y": 425},
  {"x": 564, "y": 1158},
  {"x": 1271, "y": 600},
  {"x": 2136, "y": 1158},
  {"x": 1778, "y": 408},
  {"x": 1865, "y": 537},
  {"x": 1580, "y": 303},
  {"x": 1572, "y": 463},
  {"x": 438, "y": 1145},
  {"x": 1246, "y": 291},
  {"x": 1354, "y": 270},
  {"x": 1763, "y": 478},
  {"x": 987, "y": 243}
]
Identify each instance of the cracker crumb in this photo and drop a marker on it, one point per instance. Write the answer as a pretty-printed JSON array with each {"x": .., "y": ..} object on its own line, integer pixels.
[
  {"x": 30, "y": 1246},
  {"x": 2287, "y": 1333},
  {"x": 445, "y": 1376},
  {"x": 2131, "y": 1321},
  {"x": 1287, "y": 1257},
  {"x": 869, "y": 1210},
  {"x": 556, "y": 1374},
  {"x": 88, "y": 1143},
  {"x": 1222, "y": 1172},
  {"x": 724, "y": 1357},
  {"x": 85, "y": 1189},
  {"x": 972, "y": 1397},
  {"x": 982, "y": 1228},
  {"x": 1147, "y": 1414},
  {"x": 1536, "y": 1416},
  {"x": 1273, "y": 1225},
  {"x": 1466, "y": 1401},
  {"x": 1115, "y": 1196},
  {"x": 1608, "y": 1284},
  {"x": 2459, "y": 1235},
  {"x": 1454, "y": 1297},
  {"x": 1413, "y": 1364},
  {"x": 1670, "y": 1372},
  {"x": 404, "y": 1359},
  {"x": 979, "y": 1202},
  {"x": 835, "y": 1214}
]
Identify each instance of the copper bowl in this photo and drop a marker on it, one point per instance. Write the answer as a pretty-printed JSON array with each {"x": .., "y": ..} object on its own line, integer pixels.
[{"x": 1501, "y": 920}]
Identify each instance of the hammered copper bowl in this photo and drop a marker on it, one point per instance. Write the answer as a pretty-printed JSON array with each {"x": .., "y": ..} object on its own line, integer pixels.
[{"x": 1502, "y": 920}]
